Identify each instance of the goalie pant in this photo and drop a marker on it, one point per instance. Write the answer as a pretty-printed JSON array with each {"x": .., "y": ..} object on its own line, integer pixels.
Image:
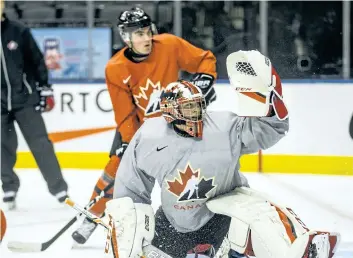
[{"x": 177, "y": 244}]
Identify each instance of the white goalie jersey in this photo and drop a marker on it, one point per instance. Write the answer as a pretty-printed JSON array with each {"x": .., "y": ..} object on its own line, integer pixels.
[{"x": 189, "y": 170}]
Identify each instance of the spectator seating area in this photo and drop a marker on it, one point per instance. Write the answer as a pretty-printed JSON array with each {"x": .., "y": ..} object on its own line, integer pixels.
[{"x": 305, "y": 38}]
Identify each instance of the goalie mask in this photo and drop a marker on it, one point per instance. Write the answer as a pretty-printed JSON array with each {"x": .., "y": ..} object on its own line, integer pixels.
[{"x": 182, "y": 103}]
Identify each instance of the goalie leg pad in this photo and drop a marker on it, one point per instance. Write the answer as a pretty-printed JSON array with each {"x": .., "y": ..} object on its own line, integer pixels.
[
  {"x": 250, "y": 212},
  {"x": 268, "y": 231},
  {"x": 131, "y": 225}
]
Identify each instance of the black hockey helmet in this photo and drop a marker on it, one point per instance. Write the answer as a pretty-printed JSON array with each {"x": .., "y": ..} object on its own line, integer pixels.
[{"x": 132, "y": 20}]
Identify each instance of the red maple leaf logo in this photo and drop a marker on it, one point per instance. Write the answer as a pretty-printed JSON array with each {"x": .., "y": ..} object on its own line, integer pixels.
[{"x": 177, "y": 185}]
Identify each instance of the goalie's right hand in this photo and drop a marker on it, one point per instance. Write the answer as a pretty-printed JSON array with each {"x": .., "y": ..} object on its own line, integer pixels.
[{"x": 131, "y": 224}]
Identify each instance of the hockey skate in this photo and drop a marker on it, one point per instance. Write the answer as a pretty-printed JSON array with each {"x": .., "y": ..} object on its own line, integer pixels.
[
  {"x": 9, "y": 200},
  {"x": 323, "y": 245},
  {"x": 86, "y": 229}
]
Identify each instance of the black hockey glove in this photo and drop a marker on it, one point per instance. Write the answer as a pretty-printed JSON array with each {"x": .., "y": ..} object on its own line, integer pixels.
[
  {"x": 121, "y": 150},
  {"x": 46, "y": 98},
  {"x": 205, "y": 83}
]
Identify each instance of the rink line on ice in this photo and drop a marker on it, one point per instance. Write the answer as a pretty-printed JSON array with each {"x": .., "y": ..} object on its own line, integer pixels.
[
  {"x": 311, "y": 198},
  {"x": 34, "y": 223},
  {"x": 329, "y": 165}
]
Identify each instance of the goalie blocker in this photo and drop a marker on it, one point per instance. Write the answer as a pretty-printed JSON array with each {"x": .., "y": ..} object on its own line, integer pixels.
[{"x": 264, "y": 229}]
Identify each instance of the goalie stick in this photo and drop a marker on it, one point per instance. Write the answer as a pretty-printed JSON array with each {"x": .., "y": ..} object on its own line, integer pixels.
[
  {"x": 148, "y": 249},
  {"x": 18, "y": 246}
]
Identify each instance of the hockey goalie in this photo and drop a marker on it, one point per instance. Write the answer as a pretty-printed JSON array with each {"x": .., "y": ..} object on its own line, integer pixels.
[{"x": 207, "y": 207}]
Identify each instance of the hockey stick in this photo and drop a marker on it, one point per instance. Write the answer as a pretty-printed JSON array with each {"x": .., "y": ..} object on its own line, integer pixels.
[
  {"x": 148, "y": 249},
  {"x": 18, "y": 246}
]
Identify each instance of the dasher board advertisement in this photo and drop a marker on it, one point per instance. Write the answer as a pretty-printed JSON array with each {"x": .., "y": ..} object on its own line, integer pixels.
[{"x": 66, "y": 51}]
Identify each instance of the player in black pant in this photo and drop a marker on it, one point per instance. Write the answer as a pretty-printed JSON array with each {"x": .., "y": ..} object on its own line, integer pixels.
[{"x": 25, "y": 94}]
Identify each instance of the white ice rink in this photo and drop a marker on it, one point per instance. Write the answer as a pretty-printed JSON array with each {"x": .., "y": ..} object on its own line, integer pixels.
[{"x": 323, "y": 202}]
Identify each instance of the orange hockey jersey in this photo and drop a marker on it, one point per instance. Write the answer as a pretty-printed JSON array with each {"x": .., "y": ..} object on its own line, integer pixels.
[{"x": 135, "y": 88}]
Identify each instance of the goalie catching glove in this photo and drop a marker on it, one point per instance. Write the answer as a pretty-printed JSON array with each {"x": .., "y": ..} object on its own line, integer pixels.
[
  {"x": 131, "y": 224},
  {"x": 257, "y": 84}
]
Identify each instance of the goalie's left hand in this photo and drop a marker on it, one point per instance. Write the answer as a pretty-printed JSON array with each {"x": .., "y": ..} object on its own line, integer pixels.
[{"x": 257, "y": 84}]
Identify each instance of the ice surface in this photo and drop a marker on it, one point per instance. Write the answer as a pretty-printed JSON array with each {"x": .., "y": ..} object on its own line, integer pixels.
[{"x": 323, "y": 202}]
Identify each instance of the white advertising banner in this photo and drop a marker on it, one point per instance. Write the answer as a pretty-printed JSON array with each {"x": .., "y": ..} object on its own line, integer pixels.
[{"x": 83, "y": 120}]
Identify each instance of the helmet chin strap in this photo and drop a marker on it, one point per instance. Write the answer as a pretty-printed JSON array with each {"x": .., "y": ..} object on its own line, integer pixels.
[
  {"x": 134, "y": 57},
  {"x": 134, "y": 54},
  {"x": 137, "y": 55},
  {"x": 182, "y": 131},
  {"x": 178, "y": 130}
]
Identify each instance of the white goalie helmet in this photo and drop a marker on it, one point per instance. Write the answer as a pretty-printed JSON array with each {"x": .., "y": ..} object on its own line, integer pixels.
[{"x": 183, "y": 103}]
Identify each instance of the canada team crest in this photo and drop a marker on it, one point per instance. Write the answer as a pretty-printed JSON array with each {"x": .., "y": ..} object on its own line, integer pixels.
[
  {"x": 148, "y": 98},
  {"x": 190, "y": 186}
]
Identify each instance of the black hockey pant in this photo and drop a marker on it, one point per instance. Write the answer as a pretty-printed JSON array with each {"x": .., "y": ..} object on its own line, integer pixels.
[
  {"x": 177, "y": 244},
  {"x": 34, "y": 131}
]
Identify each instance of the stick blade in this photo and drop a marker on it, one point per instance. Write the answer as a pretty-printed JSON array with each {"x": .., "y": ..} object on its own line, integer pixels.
[{"x": 24, "y": 247}]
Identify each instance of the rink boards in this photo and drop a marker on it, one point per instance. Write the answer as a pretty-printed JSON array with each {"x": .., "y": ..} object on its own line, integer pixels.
[{"x": 82, "y": 129}]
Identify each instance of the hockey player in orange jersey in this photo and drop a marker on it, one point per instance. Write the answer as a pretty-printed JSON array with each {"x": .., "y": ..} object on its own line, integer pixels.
[{"x": 136, "y": 77}]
